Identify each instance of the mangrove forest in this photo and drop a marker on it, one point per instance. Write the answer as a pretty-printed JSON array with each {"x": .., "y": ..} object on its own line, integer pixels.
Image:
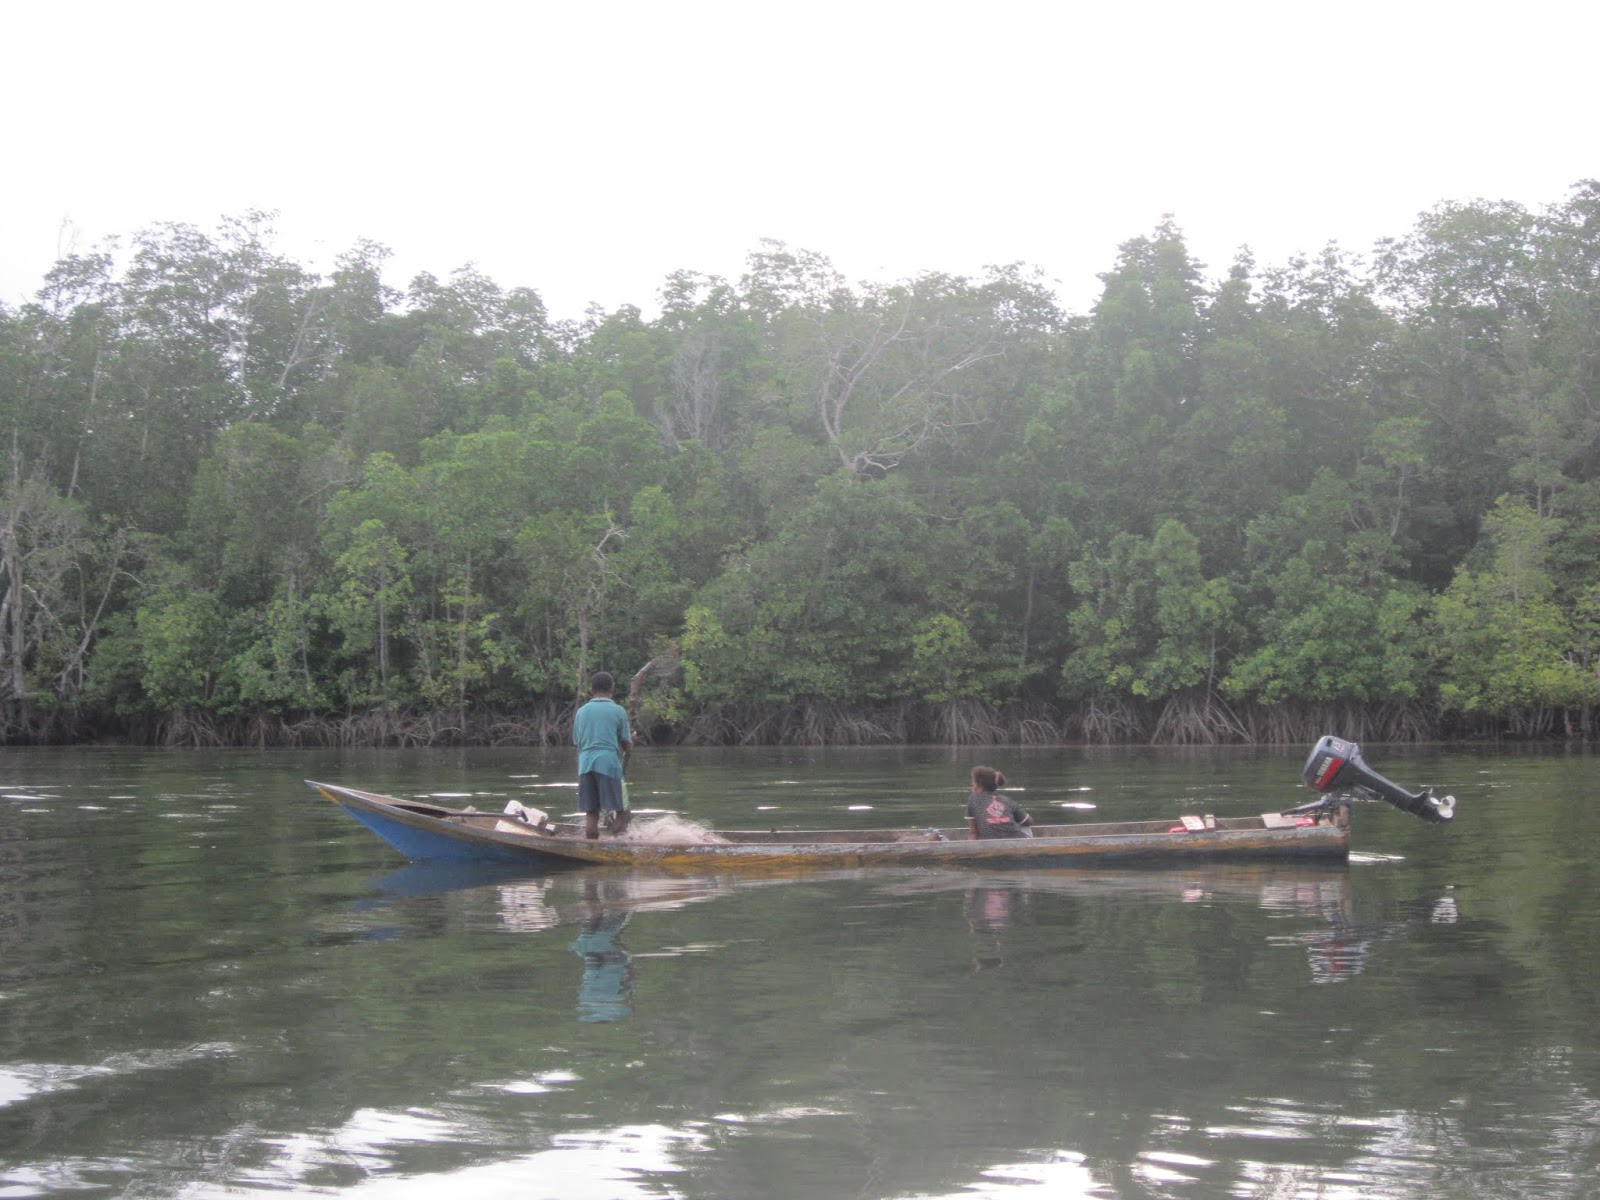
[{"x": 245, "y": 503}]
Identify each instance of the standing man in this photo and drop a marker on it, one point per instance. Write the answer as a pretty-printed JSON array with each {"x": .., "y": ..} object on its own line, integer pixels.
[{"x": 600, "y": 732}]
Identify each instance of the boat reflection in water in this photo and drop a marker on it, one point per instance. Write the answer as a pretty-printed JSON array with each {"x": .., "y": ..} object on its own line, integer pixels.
[
  {"x": 598, "y": 903},
  {"x": 527, "y": 903},
  {"x": 1337, "y": 946}
]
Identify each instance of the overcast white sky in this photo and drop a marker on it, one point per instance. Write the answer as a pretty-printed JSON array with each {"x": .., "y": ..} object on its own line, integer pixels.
[{"x": 587, "y": 149}]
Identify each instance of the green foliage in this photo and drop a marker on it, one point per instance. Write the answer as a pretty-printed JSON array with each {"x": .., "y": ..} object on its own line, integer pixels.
[
  {"x": 367, "y": 611},
  {"x": 274, "y": 670},
  {"x": 253, "y": 509},
  {"x": 236, "y": 488},
  {"x": 1335, "y": 643},
  {"x": 823, "y": 611},
  {"x": 1503, "y": 642},
  {"x": 182, "y": 645},
  {"x": 1151, "y": 624},
  {"x": 1331, "y": 621},
  {"x": 945, "y": 662}
]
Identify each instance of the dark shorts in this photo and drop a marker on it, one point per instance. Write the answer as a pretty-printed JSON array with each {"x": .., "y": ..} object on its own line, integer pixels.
[{"x": 599, "y": 793}]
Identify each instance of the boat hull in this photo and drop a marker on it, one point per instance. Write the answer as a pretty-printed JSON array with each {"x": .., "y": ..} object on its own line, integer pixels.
[{"x": 427, "y": 832}]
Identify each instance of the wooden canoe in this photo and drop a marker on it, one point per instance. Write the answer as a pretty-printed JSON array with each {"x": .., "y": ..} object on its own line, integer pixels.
[{"x": 423, "y": 831}]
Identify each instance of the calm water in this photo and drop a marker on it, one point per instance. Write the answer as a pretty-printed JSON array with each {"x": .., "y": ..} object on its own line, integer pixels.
[{"x": 211, "y": 982}]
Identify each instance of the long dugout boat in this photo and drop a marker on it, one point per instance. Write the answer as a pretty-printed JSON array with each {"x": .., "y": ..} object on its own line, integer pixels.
[{"x": 1319, "y": 831}]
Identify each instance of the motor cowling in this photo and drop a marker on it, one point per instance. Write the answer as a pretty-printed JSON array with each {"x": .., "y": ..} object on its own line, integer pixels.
[{"x": 1336, "y": 766}]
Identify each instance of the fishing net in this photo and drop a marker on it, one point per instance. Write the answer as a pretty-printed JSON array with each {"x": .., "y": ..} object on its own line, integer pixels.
[{"x": 670, "y": 831}]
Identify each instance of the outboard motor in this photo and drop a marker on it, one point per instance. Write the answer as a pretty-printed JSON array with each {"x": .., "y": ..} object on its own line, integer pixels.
[{"x": 1336, "y": 766}]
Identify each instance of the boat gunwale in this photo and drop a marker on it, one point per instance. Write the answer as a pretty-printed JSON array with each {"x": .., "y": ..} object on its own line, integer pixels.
[{"x": 564, "y": 842}]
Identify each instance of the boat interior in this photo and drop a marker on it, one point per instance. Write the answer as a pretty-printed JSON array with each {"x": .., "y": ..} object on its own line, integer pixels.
[{"x": 503, "y": 823}]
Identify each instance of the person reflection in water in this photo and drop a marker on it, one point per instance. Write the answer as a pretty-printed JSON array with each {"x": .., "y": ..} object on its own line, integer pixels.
[
  {"x": 988, "y": 914},
  {"x": 606, "y": 991},
  {"x": 991, "y": 815}
]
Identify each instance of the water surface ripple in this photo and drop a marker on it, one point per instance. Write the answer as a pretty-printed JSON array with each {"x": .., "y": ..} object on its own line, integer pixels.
[{"x": 212, "y": 983}]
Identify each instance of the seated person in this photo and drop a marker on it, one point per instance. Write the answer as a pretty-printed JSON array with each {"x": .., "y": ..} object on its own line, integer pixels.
[{"x": 991, "y": 815}]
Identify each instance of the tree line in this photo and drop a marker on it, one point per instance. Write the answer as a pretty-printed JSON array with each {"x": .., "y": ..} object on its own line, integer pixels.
[{"x": 247, "y": 503}]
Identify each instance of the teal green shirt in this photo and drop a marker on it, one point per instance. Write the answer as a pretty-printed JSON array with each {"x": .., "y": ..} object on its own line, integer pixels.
[{"x": 598, "y": 732}]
